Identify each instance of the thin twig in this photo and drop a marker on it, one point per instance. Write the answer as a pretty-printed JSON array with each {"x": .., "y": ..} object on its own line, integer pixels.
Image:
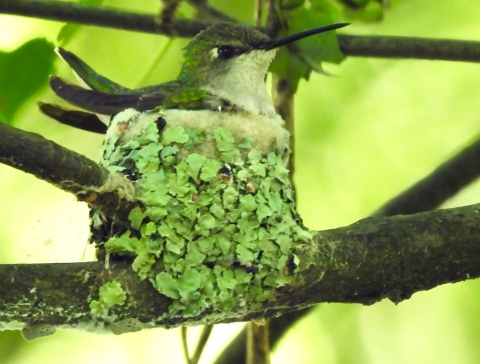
[
  {"x": 98, "y": 16},
  {"x": 351, "y": 45},
  {"x": 202, "y": 342},
  {"x": 164, "y": 22},
  {"x": 186, "y": 354},
  {"x": 410, "y": 48},
  {"x": 284, "y": 106},
  {"x": 258, "y": 348},
  {"x": 257, "y": 13}
]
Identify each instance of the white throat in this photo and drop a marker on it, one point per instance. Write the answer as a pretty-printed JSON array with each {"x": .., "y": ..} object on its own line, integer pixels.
[{"x": 243, "y": 83}]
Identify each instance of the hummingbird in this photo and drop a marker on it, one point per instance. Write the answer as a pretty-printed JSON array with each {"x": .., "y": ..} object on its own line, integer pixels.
[{"x": 224, "y": 69}]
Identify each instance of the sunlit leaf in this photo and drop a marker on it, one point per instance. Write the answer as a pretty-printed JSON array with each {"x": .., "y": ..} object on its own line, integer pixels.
[
  {"x": 23, "y": 72},
  {"x": 298, "y": 59}
]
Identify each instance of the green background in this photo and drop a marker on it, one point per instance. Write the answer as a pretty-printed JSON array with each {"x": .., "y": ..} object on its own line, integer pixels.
[{"x": 363, "y": 136}]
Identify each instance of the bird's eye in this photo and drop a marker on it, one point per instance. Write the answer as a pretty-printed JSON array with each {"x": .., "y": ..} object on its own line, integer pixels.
[{"x": 225, "y": 52}]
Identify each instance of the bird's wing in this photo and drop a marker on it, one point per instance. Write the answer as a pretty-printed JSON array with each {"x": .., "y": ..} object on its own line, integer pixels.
[
  {"x": 91, "y": 78},
  {"x": 92, "y": 100}
]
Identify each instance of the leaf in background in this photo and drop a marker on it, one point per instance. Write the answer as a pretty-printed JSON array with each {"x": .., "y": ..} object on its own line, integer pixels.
[
  {"x": 367, "y": 11},
  {"x": 68, "y": 30},
  {"x": 308, "y": 53},
  {"x": 23, "y": 72},
  {"x": 289, "y": 67}
]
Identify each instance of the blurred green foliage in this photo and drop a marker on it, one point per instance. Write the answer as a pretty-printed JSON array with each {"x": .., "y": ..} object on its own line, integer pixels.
[{"x": 23, "y": 73}]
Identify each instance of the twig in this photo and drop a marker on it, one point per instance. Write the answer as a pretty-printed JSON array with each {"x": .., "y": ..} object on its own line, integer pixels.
[
  {"x": 257, "y": 13},
  {"x": 202, "y": 342},
  {"x": 98, "y": 16},
  {"x": 410, "y": 47},
  {"x": 164, "y": 22},
  {"x": 258, "y": 348},
  {"x": 351, "y": 45},
  {"x": 283, "y": 102},
  {"x": 186, "y": 353}
]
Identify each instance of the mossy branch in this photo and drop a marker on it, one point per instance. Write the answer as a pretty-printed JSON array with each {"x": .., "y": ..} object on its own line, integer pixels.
[{"x": 373, "y": 259}]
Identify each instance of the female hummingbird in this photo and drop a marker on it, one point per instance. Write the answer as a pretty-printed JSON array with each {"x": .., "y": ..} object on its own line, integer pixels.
[{"x": 224, "y": 69}]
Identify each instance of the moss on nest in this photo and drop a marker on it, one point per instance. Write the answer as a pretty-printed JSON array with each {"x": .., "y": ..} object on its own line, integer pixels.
[{"x": 218, "y": 229}]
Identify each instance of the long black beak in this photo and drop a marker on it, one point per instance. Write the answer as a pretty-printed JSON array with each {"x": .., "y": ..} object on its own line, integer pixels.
[{"x": 275, "y": 43}]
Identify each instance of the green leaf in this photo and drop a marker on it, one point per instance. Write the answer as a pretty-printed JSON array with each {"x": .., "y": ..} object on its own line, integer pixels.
[
  {"x": 248, "y": 203},
  {"x": 205, "y": 222},
  {"x": 195, "y": 136},
  {"x": 298, "y": 59},
  {"x": 23, "y": 73},
  {"x": 245, "y": 256},
  {"x": 143, "y": 264},
  {"x": 226, "y": 280},
  {"x": 321, "y": 47}
]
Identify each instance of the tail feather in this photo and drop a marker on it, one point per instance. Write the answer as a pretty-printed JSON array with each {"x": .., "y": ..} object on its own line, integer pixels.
[
  {"x": 76, "y": 118},
  {"x": 92, "y": 100}
]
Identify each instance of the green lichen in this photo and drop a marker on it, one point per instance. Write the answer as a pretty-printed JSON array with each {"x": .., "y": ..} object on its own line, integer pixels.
[
  {"x": 33, "y": 332},
  {"x": 109, "y": 295},
  {"x": 216, "y": 233},
  {"x": 124, "y": 326}
]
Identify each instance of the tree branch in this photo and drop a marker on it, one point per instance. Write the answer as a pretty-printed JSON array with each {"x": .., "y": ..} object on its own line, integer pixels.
[
  {"x": 69, "y": 171},
  {"x": 97, "y": 16},
  {"x": 373, "y": 259},
  {"x": 410, "y": 48},
  {"x": 351, "y": 45},
  {"x": 390, "y": 257}
]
